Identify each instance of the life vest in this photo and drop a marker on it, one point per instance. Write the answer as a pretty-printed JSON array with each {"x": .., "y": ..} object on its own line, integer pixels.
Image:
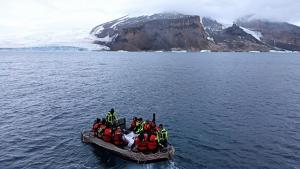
[
  {"x": 139, "y": 127},
  {"x": 162, "y": 135},
  {"x": 133, "y": 124},
  {"x": 101, "y": 129},
  {"x": 147, "y": 127},
  {"x": 157, "y": 128},
  {"x": 152, "y": 127},
  {"x": 107, "y": 135},
  {"x": 141, "y": 144},
  {"x": 95, "y": 128},
  {"x": 117, "y": 137},
  {"x": 111, "y": 117},
  {"x": 152, "y": 143}
]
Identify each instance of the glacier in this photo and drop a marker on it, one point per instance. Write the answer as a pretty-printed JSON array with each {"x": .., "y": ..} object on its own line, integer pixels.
[{"x": 73, "y": 39}]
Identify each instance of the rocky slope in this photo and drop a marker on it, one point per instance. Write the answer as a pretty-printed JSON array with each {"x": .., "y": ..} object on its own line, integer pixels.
[
  {"x": 233, "y": 38},
  {"x": 169, "y": 31},
  {"x": 280, "y": 35},
  {"x": 156, "y": 32}
]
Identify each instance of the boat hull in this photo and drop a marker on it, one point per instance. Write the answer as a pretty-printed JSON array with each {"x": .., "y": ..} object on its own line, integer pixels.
[{"x": 139, "y": 157}]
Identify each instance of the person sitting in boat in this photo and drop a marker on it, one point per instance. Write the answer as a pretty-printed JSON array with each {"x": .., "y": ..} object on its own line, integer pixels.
[
  {"x": 101, "y": 128},
  {"x": 107, "y": 136},
  {"x": 118, "y": 138},
  {"x": 152, "y": 127},
  {"x": 146, "y": 126},
  {"x": 95, "y": 126},
  {"x": 111, "y": 117},
  {"x": 139, "y": 126},
  {"x": 162, "y": 136},
  {"x": 133, "y": 124},
  {"x": 141, "y": 142},
  {"x": 152, "y": 143}
]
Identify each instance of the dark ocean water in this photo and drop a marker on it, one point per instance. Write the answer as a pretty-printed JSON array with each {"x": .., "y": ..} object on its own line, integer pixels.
[{"x": 222, "y": 110}]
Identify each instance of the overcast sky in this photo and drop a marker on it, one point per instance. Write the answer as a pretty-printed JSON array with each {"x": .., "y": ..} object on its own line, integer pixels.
[{"x": 24, "y": 17}]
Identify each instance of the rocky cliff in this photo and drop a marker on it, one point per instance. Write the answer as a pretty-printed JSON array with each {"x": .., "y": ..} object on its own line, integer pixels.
[
  {"x": 169, "y": 31},
  {"x": 280, "y": 35},
  {"x": 156, "y": 32},
  {"x": 233, "y": 38}
]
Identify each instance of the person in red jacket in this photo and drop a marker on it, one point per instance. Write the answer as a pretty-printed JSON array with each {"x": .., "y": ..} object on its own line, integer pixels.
[
  {"x": 152, "y": 143},
  {"x": 95, "y": 126},
  {"x": 101, "y": 128},
  {"x": 141, "y": 142},
  {"x": 118, "y": 138},
  {"x": 146, "y": 126},
  {"x": 152, "y": 127},
  {"x": 107, "y": 134},
  {"x": 133, "y": 124}
]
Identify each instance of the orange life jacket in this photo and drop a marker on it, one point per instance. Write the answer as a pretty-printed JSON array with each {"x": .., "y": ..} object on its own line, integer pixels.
[
  {"x": 147, "y": 127},
  {"x": 152, "y": 143},
  {"x": 133, "y": 124},
  {"x": 117, "y": 137},
  {"x": 141, "y": 144},
  {"x": 152, "y": 127},
  {"x": 101, "y": 130},
  {"x": 95, "y": 126},
  {"x": 107, "y": 134}
]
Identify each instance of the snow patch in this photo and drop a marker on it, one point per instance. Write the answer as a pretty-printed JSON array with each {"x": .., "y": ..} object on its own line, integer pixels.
[
  {"x": 210, "y": 38},
  {"x": 226, "y": 25},
  {"x": 123, "y": 19},
  {"x": 105, "y": 39},
  {"x": 257, "y": 35},
  {"x": 205, "y": 51},
  {"x": 283, "y": 51},
  {"x": 99, "y": 29}
]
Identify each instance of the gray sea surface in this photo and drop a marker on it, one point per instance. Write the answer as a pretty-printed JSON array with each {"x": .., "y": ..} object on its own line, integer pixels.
[{"x": 222, "y": 110}]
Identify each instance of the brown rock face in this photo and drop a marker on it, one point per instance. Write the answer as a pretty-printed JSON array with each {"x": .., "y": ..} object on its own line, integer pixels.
[
  {"x": 173, "y": 31},
  {"x": 184, "y": 33},
  {"x": 277, "y": 34},
  {"x": 236, "y": 39},
  {"x": 157, "y": 32}
]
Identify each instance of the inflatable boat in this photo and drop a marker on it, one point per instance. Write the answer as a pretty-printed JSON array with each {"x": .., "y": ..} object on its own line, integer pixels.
[{"x": 126, "y": 152}]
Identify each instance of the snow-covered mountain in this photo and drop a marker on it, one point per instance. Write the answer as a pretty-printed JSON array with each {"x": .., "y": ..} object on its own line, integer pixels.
[
  {"x": 167, "y": 32},
  {"x": 174, "y": 31}
]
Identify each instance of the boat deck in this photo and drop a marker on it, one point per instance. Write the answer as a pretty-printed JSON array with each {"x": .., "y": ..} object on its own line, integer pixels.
[{"x": 165, "y": 154}]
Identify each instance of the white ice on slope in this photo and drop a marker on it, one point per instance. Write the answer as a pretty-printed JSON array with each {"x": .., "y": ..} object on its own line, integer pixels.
[
  {"x": 123, "y": 19},
  {"x": 75, "y": 38},
  {"x": 99, "y": 29},
  {"x": 105, "y": 39},
  {"x": 210, "y": 38},
  {"x": 257, "y": 35}
]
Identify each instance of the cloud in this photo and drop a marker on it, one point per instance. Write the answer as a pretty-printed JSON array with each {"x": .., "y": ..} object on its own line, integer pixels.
[{"x": 24, "y": 17}]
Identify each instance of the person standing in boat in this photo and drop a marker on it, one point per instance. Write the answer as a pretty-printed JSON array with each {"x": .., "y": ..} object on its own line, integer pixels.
[
  {"x": 162, "y": 136},
  {"x": 111, "y": 117}
]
